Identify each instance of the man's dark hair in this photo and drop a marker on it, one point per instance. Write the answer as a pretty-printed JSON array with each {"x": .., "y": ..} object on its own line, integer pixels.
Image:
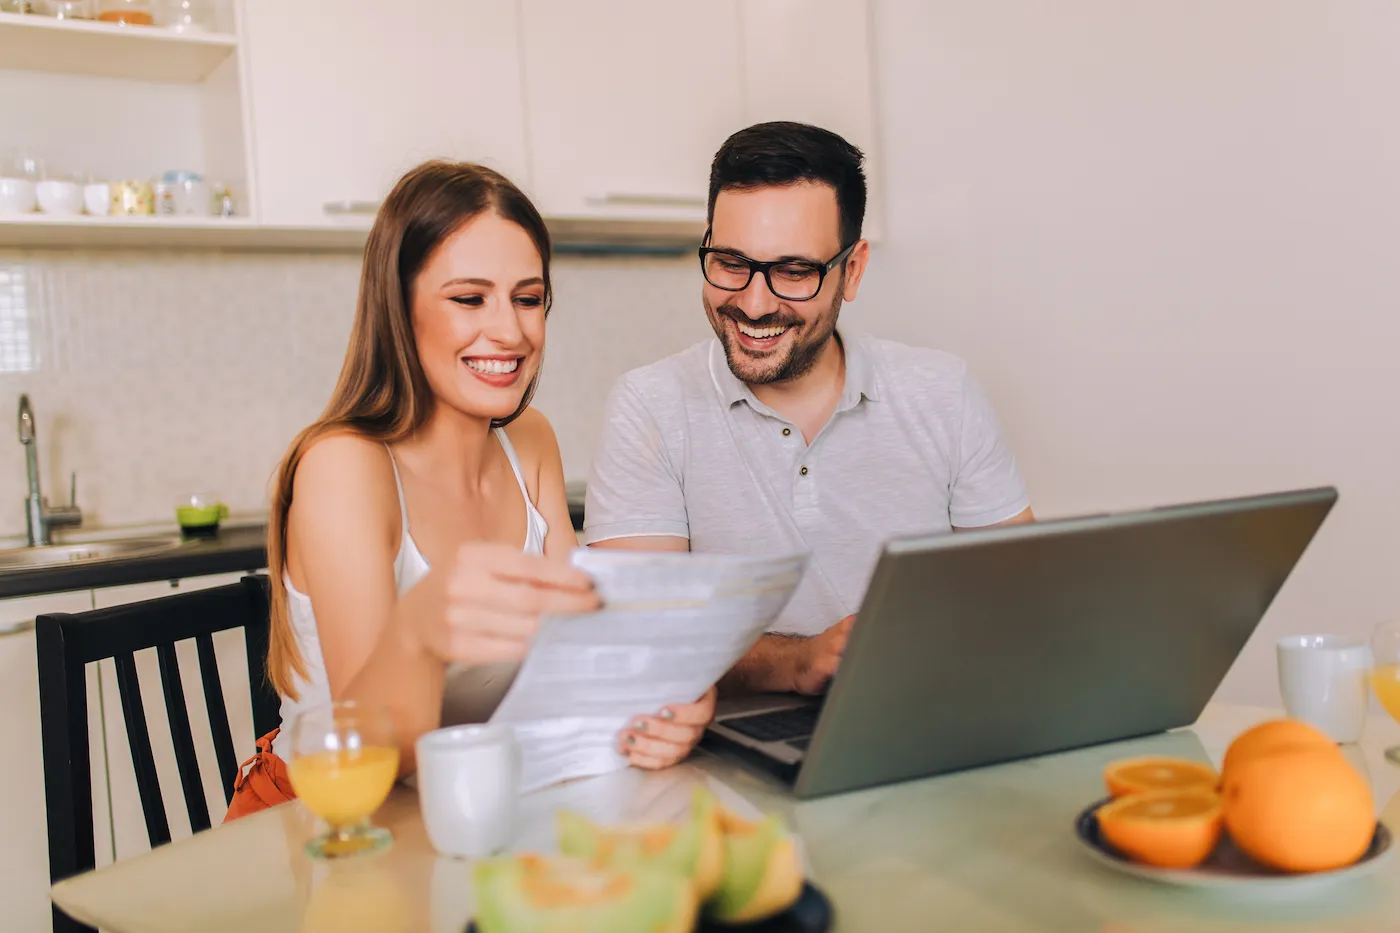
[{"x": 786, "y": 153}]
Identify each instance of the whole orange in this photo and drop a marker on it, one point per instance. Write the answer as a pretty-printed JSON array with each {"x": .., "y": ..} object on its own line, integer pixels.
[
  {"x": 1273, "y": 735},
  {"x": 1299, "y": 809}
]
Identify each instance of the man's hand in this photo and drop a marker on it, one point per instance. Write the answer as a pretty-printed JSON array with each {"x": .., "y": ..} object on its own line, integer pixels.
[{"x": 821, "y": 656}]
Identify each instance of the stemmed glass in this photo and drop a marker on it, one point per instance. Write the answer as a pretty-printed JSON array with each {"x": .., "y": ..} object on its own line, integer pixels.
[
  {"x": 1385, "y": 674},
  {"x": 343, "y": 765}
]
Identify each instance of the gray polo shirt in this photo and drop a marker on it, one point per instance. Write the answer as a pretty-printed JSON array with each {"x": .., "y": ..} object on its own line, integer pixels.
[{"x": 913, "y": 448}]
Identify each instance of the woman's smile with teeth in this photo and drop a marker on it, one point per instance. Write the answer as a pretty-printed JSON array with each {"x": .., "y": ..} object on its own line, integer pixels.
[
  {"x": 760, "y": 333},
  {"x": 493, "y": 367}
]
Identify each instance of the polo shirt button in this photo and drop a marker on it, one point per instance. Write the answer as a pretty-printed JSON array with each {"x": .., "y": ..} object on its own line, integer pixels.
[
  {"x": 787, "y": 432},
  {"x": 803, "y": 471}
]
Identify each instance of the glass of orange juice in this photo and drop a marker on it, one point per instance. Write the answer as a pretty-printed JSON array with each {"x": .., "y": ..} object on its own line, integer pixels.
[
  {"x": 1385, "y": 674},
  {"x": 344, "y": 762}
]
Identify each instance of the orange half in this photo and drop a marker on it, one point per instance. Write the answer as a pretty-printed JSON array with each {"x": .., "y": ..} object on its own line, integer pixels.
[
  {"x": 1166, "y": 828},
  {"x": 1138, "y": 775}
]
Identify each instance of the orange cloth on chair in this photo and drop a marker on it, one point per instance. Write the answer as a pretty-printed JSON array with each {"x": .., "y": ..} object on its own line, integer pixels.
[{"x": 262, "y": 781}]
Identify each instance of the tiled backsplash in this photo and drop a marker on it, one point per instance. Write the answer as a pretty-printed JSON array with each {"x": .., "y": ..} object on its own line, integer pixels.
[{"x": 153, "y": 374}]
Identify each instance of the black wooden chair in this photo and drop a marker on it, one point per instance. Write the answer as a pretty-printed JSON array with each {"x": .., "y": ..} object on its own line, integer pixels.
[{"x": 69, "y": 642}]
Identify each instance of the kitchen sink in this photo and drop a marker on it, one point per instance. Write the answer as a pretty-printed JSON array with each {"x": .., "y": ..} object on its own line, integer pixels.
[{"x": 57, "y": 555}]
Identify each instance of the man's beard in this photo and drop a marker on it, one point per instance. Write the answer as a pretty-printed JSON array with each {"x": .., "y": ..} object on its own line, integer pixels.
[{"x": 783, "y": 364}]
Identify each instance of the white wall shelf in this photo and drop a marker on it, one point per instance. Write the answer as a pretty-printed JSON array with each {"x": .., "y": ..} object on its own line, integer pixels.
[
  {"x": 45, "y": 231},
  {"x": 133, "y": 232},
  {"x": 31, "y": 42}
]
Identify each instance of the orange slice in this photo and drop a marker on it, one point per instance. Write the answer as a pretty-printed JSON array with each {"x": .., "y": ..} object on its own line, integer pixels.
[
  {"x": 1166, "y": 828},
  {"x": 1136, "y": 775}
]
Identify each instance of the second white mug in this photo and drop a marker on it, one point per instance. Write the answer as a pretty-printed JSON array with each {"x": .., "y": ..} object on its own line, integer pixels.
[
  {"x": 468, "y": 788},
  {"x": 1323, "y": 682}
]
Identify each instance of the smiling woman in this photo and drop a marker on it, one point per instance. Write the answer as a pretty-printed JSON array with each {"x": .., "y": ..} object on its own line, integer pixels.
[{"x": 419, "y": 529}]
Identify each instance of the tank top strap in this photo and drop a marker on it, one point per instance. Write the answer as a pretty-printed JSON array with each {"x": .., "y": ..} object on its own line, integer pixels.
[
  {"x": 536, "y": 528},
  {"x": 514, "y": 464},
  {"x": 398, "y": 485}
]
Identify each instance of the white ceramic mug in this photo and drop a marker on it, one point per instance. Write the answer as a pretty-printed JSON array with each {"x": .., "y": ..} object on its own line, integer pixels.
[
  {"x": 468, "y": 788},
  {"x": 1323, "y": 681},
  {"x": 97, "y": 198}
]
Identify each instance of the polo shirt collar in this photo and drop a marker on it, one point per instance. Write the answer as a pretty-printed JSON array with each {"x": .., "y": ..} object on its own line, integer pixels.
[
  {"x": 861, "y": 381},
  {"x": 860, "y": 374}
]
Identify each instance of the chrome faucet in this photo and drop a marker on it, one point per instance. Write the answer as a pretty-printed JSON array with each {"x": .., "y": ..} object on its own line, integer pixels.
[{"x": 39, "y": 517}]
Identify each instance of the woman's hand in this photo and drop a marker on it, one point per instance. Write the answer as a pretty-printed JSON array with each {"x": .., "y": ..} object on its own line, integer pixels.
[
  {"x": 492, "y": 598},
  {"x": 656, "y": 742}
]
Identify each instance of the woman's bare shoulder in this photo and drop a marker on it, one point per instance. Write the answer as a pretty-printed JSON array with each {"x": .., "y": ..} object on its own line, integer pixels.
[
  {"x": 533, "y": 438},
  {"x": 342, "y": 468}
]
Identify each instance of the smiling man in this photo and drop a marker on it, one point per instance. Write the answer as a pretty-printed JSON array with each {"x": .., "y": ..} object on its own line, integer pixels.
[{"x": 785, "y": 434}]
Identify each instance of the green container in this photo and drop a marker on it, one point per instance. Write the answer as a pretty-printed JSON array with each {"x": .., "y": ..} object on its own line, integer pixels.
[{"x": 201, "y": 516}]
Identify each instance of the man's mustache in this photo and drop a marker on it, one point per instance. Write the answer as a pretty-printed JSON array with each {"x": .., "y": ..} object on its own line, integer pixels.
[{"x": 768, "y": 320}]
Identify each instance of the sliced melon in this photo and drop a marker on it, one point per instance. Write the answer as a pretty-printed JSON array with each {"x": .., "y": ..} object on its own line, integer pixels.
[
  {"x": 762, "y": 870},
  {"x": 693, "y": 846},
  {"x": 534, "y": 894}
]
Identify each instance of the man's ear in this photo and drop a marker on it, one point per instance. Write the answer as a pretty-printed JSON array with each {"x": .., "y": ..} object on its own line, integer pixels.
[{"x": 855, "y": 269}]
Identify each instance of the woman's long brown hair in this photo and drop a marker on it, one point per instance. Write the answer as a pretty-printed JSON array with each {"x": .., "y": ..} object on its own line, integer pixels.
[{"x": 382, "y": 393}]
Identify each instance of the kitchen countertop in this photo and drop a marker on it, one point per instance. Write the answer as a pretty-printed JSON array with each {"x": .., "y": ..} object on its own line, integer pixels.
[{"x": 238, "y": 547}]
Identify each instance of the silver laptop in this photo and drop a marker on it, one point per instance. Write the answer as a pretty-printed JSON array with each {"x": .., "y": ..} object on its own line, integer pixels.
[{"x": 987, "y": 646}]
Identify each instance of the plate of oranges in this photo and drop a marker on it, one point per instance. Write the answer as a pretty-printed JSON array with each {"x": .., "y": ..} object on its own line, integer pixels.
[{"x": 1285, "y": 808}]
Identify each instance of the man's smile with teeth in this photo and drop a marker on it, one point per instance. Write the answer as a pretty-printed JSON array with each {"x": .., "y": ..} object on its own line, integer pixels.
[
  {"x": 493, "y": 367},
  {"x": 761, "y": 333}
]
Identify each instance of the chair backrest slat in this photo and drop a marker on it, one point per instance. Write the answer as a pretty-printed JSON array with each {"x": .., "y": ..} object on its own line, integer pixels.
[
  {"x": 267, "y": 705},
  {"x": 67, "y": 755},
  {"x": 186, "y": 759},
  {"x": 142, "y": 759},
  {"x": 214, "y": 706}
]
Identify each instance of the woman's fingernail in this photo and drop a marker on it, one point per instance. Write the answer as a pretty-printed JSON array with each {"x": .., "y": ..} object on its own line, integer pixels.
[
  {"x": 640, "y": 725},
  {"x": 631, "y": 740},
  {"x": 667, "y": 714}
]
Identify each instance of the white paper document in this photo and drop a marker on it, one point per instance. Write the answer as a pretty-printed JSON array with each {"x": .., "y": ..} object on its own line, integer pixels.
[{"x": 671, "y": 625}]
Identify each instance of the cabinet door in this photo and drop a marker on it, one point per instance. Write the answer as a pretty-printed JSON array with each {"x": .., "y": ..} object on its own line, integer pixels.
[
  {"x": 345, "y": 95},
  {"x": 809, "y": 61},
  {"x": 128, "y": 826},
  {"x": 628, "y": 101},
  {"x": 24, "y": 843}
]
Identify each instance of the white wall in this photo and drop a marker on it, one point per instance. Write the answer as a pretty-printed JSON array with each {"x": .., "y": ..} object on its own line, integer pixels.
[
  {"x": 1165, "y": 236},
  {"x": 155, "y": 374}
]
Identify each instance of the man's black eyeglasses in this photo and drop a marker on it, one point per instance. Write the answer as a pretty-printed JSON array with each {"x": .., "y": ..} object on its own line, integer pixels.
[{"x": 789, "y": 279}]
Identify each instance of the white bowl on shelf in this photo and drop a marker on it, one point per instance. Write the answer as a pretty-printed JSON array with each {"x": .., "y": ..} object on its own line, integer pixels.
[
  {"x": 57, "y": 196},
  {"x": 17, "y": 196}
]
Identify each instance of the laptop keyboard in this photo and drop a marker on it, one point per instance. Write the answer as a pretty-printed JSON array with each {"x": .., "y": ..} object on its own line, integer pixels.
[{"x": 778, "y": 726}]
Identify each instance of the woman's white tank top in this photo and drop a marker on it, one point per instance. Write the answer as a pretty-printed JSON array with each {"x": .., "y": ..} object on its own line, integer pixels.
[{"x": 469, "y": 694}]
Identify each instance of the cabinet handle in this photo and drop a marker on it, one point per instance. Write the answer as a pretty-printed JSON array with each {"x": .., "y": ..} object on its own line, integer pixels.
[
  {"x": 16, "y": 628},
  {"x": 350, "y": 207},
  {"x": 649, "y": 200}
]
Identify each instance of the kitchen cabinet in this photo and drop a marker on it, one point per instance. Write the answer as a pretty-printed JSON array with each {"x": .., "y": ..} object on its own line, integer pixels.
[
  {"x": 809, "y": 61},
  {"x": 345, "y": 95},
  {"x": 608, "y": 113},
  {"x": 24, "y": 851},
  {"x": 128, "y": 824},
  {"x": 627, "y": 101}
]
